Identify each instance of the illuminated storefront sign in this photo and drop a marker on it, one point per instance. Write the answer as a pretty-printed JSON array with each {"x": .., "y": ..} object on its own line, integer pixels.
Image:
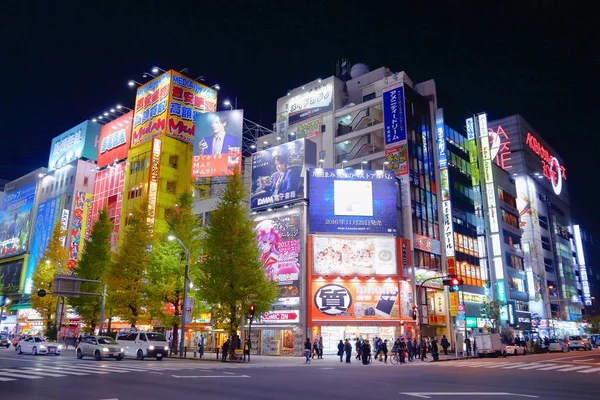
[
  {"x": 445, "y": 185},
  {"x": 470, "y": 129},
  {"x": 150, "y": 117},
  {"x": 153, "y": 181},
  {"x": 488, "y": 173},
  {"x": 426, "y": 243},
  {"x": 585, "y": 284},
  {"x": 79, "y": 225},
  {"x": 500, "y": 148},
  {"x": 80, "y": 141},
  {"x": 551, "y": 167},
  {"x": 310, "y": 103},
  {"x": 279, "y": 317},
  {"x": 393, "y": 114}
]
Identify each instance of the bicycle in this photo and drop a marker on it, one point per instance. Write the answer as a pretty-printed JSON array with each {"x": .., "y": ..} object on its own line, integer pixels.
[{"x": 395, "y": 358}]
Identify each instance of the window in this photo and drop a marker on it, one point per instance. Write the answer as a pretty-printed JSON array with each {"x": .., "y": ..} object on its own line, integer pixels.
[
  {"x": 85, "y": 180},
  {"x": 369, "y": 96},
  {"x": 172, "y": 187},
  {"x": 72, "y": 179},
  {"x": 143, "y": 337},
  {"x": 543, "y": 222},
  {"x": 510, "y": 219},
  {"x": 507, "y": 198},
  {"x": 546, "y": 243},
  {"x": 134, "y": 192},
  {"x": 516, "y": 284},
  {"x": 174, "y": 161}
]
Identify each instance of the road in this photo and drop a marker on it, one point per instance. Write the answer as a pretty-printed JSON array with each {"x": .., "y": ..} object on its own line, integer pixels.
[{"x": 547, "y": 376}]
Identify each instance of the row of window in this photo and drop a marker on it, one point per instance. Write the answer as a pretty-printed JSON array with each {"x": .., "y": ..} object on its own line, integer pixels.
[
  {"x": 510, "y": 219},
  {"x": 59, "y": 184},
  {"x": 507, "y": 198}
]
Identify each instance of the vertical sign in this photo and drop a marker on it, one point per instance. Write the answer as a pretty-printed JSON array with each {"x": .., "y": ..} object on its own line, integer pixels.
[
  {"x": 64, "y": 223},
  {"x": 453, "y": 304},
  {"x": 80, "y": 213},
  {"x": 488, "y": 173},
  {"x": 470, "y": 129},
  {"x": 393, "y": 114},
  {"x": 444, "y": 183},
  {"x": 153, "y": 181}
]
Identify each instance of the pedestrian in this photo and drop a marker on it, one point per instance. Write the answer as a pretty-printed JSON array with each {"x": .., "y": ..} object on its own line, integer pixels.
[
  {"x": 348, "y": 350},
  {"x": 225, "y": 351},
  {"x": 321, "y": 347},
  {"x": 358, "y": 349},
  {"x": 434, "y": 350},
  {"x": 79, "y": 339},
  {"x": 307, "y": 350},
  {"x": 423, "y": 349},
  {"x": 415, "y": 349},
  {"x": 201, "y": 347},
  {"x": 383, "y": 350},
  {"x": 340, "y": 352},
  {"x": 474, "y": 346},
  {"x": 315, "y": 349},
  {"x": 409, "y": 350},
  {"x": 445, "y": 344},
  {"x": 366, "y": 352},
  {"x": 468, "y": 343},
  {"x": 247, "y": 349}
]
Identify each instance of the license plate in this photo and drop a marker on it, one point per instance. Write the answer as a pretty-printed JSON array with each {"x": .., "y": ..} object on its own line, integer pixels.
[{"x": 159, "y": 355}]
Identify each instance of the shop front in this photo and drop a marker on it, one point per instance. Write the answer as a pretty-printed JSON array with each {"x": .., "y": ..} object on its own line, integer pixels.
[
  {"x": 433, "y": 303},
  {"x": 277, "y": 333}
]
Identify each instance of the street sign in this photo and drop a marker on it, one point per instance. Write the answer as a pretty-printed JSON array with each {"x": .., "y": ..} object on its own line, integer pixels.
[{"x": 461, "y": 308}]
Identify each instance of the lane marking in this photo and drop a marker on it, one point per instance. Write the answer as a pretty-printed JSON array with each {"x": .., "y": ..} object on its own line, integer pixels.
[
  {"x": 15, "y": 375},
  {"x": 210, "y": 376},
  {"x": 551, "y": 368},
  {"x": 589, "y": 371},
  {"x": 587, "y": 359},
  {"x": 229, "y": 373},
  {"x": 519, "y": 365},
  {"x": 6, "y": 379},
  {"x": 425, "y": 395},
  {"x": 504, "y": 364},
  {"x": 572, "y": 368},
  {"x": 88, "y": 370},
  {"x": 51, "y": 371},
  {"x": 537, "y": 366},
  {"x": 35, "y": 371}
]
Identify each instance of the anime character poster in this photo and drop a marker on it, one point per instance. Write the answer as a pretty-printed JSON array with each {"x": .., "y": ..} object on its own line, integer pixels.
[{"x": 278, "y": 240}]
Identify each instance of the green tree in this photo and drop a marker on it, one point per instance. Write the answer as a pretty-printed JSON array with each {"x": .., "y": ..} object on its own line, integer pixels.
[
  {"x": 94, "y": 264},
  {"x": 127, "y": 275},
  {"x": 230, "y": 276},
  {"x": 492, "y": 311},
  {"x": 53, "y": 261},
  {"x": 167, "y": 268}
]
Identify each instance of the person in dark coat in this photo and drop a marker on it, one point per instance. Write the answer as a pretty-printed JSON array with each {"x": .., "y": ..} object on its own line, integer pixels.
[
  {"x": 445, "y": 344},
  {"x": 434, "y": 350},
  {"x": 423, "y": 349},
  {"x": 366, "y": 352},
  {"x": 415, "y": 349},
  {"x": 383, "y": 349},
  {"x": 348, "y": 350},
  {"x": 409, "y": 350},
  {"x": 225, "y": 351},
  {"x": 341, "y": 350},
  {"x": 307, "y": 350},
  {"x": 468, "y": 343},
  {"x": 402, "y": 354},
  {"x": 358, "y": 349}
]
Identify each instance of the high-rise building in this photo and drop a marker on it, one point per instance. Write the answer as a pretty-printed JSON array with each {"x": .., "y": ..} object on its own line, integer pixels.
[{"x": 587, "y": 250}]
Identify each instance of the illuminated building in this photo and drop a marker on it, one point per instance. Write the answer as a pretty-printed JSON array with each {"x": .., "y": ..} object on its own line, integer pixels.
[{"x": 588, "y": 260}]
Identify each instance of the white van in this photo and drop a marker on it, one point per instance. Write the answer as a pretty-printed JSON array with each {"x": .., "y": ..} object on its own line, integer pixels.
[
  {"x": 490, "y": 344},
  {"x": 144, "y": 344}
]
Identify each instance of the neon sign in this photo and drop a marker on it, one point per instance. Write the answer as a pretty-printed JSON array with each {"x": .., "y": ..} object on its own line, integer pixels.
[
  {"x": 500, "y": 148},
  {"x": 551, "y": 168}
]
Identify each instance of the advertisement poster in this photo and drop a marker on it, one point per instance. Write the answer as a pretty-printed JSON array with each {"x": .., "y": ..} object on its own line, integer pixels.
[
  {"x": 81, "y": 211},
  {"x": 187, "y": 100},
  {"x": 394, "y": 122},
  {"x": 421, "y": 274},
  {"x": 15, "y": 221},
  {"x": 79, "y": 141},
  {"x": 310, "y": 103},
  {"x": 217, "y": 144},
  {"x": 153, "y": 181},
  {"x": 278, "y": 239},
  {"x": 115, "y": 139},
  {"x": 352, "y": 201},
  {"x": 397, "y": 158},
  {"x": 351, "y": 301},
  {"x": 150, "y": 116},
  {"x": 354, "y": 255},
  {"x": 309, "y": 129},
  {"x": 48, "y": 214},
  {"x": 10, "y": 276},
  {"x": 278, "y": 173}
]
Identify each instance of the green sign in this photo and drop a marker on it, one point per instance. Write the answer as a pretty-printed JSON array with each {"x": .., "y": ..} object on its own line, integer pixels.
[{"x": 471, "y": 322}]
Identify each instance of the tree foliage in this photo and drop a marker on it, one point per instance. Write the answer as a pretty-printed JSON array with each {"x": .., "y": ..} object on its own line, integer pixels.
[
  {"x": 94, "y": 265},
  {"x": 53, "y": 261},
  {"x": 492, "y": 310},
  {"x": 127, "y": 275},
  {"x": 230, "y": 276}
]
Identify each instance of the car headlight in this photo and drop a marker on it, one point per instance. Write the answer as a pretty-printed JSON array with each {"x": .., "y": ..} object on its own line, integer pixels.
[
  {"x": 167, "y": 348},
  {"x": 122, "y": 350},
  {"x": 42, "y": 347},
  {"x": 105, "y": 349},
  {"x": 60, "y": 346},
  {"x": 150, "y": 347}
]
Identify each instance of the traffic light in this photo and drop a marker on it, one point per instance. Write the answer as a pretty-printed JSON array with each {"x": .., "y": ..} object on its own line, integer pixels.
[
  {"x": 454, "y": 283},
  {"x": 251, "y": 309}
]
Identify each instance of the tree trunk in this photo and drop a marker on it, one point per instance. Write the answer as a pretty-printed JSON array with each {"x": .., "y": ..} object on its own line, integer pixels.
[
  {"x": 176, "y": 337},
  {"x": 109, "y": 324}
]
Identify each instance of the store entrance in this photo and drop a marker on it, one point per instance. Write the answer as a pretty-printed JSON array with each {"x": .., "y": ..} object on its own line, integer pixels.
[{"x": 333, "y": 334}]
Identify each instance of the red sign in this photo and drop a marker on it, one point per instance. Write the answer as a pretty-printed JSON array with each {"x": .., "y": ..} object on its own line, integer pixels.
[
  {"x": 500, "y": 148},
  {"x": 291, "y": 316},
  {"x": 551, "y": 167},
  {"x": 115, "y": 139}
]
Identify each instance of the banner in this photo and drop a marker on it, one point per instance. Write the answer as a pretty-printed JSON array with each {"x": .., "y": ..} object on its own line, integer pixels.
[
  {"x": 278, "y": 239},
  {"x": 454, "y": 304},
  {"x": 308, "y": 129},
  {"x": 15, "y": 221},
  {"x": 397, "y": 159},
  {"x": 310, "y": 103},
  {"x": 115, "y": 139},
  {"x": 153, "y": 181},
  {"x": 352, "y": 201},
  {"x": 81, "y": 212},
  {"x": 394, "y": 122},
  {"x": 80, "y": 141},
  {"x": 354, "y": 255},
  {"x": 10, "y": 276},
  {"x": 150, "y": 117},
  {"x": 217, "y": 144}
]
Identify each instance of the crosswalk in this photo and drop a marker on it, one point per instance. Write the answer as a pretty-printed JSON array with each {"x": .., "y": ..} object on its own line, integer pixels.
[
  {"x": 588, "y": 368},
  {"x": 90, "y": 369}
]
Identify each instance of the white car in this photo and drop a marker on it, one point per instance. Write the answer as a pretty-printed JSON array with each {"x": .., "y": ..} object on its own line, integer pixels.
[
  {"x": 144, "y": 344},
  {"x": 557, "y": 345},
  {"x": 37, "y": 345},
  {"x": 578, "y": 343},
  {"x": 515, "y": 350},
  {"x": 100, "y": 347}
]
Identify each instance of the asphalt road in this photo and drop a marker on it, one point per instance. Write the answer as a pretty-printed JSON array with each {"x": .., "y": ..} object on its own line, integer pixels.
[{"x": 574, "y": 375}]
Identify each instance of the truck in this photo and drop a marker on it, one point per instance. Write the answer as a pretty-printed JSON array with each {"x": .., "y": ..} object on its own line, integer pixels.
[{"x": 490, "y": 345}]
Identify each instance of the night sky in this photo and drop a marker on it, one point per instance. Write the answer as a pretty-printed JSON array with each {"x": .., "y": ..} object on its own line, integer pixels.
[{"x": 62, "y": 65}]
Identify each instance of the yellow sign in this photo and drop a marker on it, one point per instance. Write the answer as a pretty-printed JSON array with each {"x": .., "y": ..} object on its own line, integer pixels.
[
  {"x": 153, "y": 184},
  {"x": 453, "y": 304}
]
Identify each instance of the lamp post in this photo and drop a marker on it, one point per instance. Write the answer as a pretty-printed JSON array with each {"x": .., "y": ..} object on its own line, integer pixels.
[
  {"x": 186, "y": 280},
  {"x": 4, "y": 304}
]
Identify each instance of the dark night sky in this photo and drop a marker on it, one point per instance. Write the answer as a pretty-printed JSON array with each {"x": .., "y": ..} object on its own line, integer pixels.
[{"x": 62, "y": 65}]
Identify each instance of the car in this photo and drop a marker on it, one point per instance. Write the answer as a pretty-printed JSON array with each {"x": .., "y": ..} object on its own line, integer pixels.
[
  {"x": 4, "y": 341},
  {"x": 515, "y": 350},
  {"x": 37, "y": 345},
  {"x": 557, "y": 345},
  {"x": 577, "y": 343},
  {"x": 17, "y": 339},
  {"x": 144, "y": 344},
  {"x": 100, "y": 347}
]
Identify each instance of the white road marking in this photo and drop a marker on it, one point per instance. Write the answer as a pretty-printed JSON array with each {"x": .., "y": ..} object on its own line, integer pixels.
[
  {"x": 46, "y": 369},
  {"x": 35, "y": 371},
  {"x": 572, "y": 368},
  {"x": 589, "y": 371},
  {"x": 62, "y": 370},
  {"x": 17, "y": 375},
  {"x": 327, "y": 368},
  {"x": 6, "y": 379},
  {"x": 537, "y": 366},
  {"x": 551, "y": 368},
  {"x": 489, "y": 365},
  {"x": 430, "y": 395},
  {"x": 89, "y": 370},
  {"x": 519, "y": 365},
  {"x": 210, "y": 376},
  {"x": 587, "y": 359},
  {"x": 229, "y": 373}
]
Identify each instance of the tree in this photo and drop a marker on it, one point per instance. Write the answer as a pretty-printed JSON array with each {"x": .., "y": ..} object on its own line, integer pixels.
[
  {"x": 230, "y": 276},
  {"x": 53, "y": 261},
  {"x": 127, "y": 275},
  {"x": 167, "y": 268},
  {"x": 94, "y": 264},
  {"x": 492, "y": 310}
]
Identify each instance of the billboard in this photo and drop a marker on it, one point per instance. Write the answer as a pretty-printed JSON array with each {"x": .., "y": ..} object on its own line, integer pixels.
[
  {"x": 308, "y": 129},
  {"x": 80, "y": 141},
  {"x": 354, "y": 255},
  {"x": 10, "y": 276},
  {"x": 153, "y": 181},
  {"x": 278, "y": 239},
  {"x": 217, "y": 144},
  {"x": 47, "y": 215},
  {"x": 352, "y": 201},
  {"x": 397, "y": 159},
  {"x": 187, "y": 99},
  {"x": 81, "y": 212},
  {"x": 150, "y": 116},
  {"x": 310, "y": 103},
  {"x": 278, "y": 173},
  {"x": 394, "y": 121},
  {"x": 15, "y": 221},
  {"x": 354, "y": 300},
  {"x": 115, "y": 139}
]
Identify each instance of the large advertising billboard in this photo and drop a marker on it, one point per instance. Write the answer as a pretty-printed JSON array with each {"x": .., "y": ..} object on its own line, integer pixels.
[
  {"x": 278, "y": 238},
  {"x": 352, "y": 201},
  {"x": 150, "y": 117},
  {"x": 354, "y": 300},
  {"x": 10, "y": 276},
  {"x": 354, "y": 255},
  {"x": 310, "y": 103},
  {"x": 15, "y": 221},
  {"x": 394, "y": 116},
  {"x": 188, "y": 98},
  {"x": 218, "y": 144},
  {"x": 115, "y": 139},
  {"x": 80, "y": 141},
  {"x": 81, "y": 215},
  {"x": 278, "y": 173}
]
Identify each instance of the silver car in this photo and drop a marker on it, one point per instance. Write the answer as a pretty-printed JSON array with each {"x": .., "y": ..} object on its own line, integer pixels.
[{"x": 99, "y": 347}]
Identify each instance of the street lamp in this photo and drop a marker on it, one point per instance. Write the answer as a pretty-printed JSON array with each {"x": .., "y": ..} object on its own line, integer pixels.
[
  {"x": 6, "y": 302},
  {"x": 216, "y": 86},
  {"x": 132, "y": 83},
  {"x": 186, "y": 280},
  {"x": 227, "y": 103},
  {"x": 156, "y": 69}
]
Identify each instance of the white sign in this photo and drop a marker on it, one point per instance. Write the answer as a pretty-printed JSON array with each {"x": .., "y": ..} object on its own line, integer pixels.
[
  {"x": 280, "y": 317},
  {"x": 585, "y": 284},
  {"x": 64, "y": 223}
]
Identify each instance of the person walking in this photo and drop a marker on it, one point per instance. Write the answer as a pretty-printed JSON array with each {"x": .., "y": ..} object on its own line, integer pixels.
[
  {"x": 409, "y": 350},
  {"x": 348, "y": 350},
  {"x": 383, "y": 350},
  {"x": 307, "y": 350},
  {"x": 340, "y": 352},
  {"x": 434, "y": 350},
  {"x": 415, "y": 349},
  {"x": 321, "y": 347},
  {"x": 225, "y": 351},
  {"x": 445, "y": 344},
  {"x": 366, "y": 352},
  {"x": 474, "y": 347},
  {"x": 468, "y": 344},
  {"x": 358, "y": 349},
  {"x": 315, "y": 349},
  {"x": 423, "y": 349}
]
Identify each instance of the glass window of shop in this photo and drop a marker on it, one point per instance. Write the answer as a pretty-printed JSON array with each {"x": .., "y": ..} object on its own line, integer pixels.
[{"x": 333, "y": 334}]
